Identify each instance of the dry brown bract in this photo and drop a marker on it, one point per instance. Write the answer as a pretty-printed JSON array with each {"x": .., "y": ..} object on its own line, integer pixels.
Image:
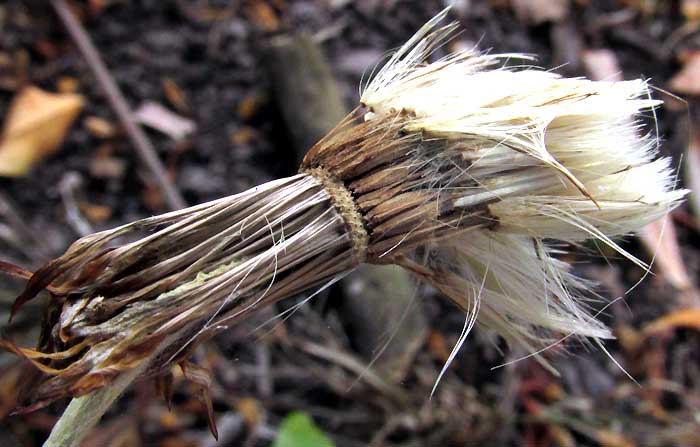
[
  {"x": 203, "y": 268},
  {"x": 194, "y": 271}
]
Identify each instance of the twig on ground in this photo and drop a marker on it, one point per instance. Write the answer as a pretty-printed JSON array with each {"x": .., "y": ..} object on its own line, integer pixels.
[{"x": 144, "y": 148}]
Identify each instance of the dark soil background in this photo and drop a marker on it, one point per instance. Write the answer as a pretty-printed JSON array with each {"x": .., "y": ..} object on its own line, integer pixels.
[{"x": 203, "y": 61}]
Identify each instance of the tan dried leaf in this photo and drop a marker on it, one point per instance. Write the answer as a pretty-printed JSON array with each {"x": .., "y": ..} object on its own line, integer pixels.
[
  {"x": 96, "y": 213},
  {"x": 100, "y": 127},
  {"x": 687, "y": 81},
  {"x": 610, "y": 438},
  {"x": 35, "y": 126},
  {"x": 175, "y": 96},
  {"x": 250, "y": 410},
  {"x": 692, "y": 169},
  {"x": 536, "y": 12},
  {"x": 264, "y": 16},
  {"x": 67, "y": 84},
  {"x": 157, "y": 116},
  {"x": 602, "y": 65},
  {"x": 682, "y": 318},
  {"x": 661, "y": 239},
  {"x": 691, "y": 10}
]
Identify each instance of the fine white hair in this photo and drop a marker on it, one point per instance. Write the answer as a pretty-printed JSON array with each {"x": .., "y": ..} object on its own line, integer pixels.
[{"x": 553, "y": 158}]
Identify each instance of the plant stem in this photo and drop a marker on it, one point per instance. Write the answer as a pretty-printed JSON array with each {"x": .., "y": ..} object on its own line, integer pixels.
[{"x": 83, "y": 413}]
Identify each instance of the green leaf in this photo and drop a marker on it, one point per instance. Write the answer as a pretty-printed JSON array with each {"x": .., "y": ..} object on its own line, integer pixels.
[{"x": 299, "y": 430}]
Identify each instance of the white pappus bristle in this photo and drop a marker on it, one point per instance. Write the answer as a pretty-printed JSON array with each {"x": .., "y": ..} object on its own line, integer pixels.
[{"x": 552, "y": 158}]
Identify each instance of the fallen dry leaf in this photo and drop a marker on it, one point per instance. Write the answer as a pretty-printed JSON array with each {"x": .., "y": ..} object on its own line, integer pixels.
[
  {"x": 682, "y": 318},
  {"x": 35, "y": 126},
  {"x": 437, "y": 346},
  {"x": 67, "y": 84},
  {"x": 250, "y": 410},
  {"x": 610, "y": 438},
  {"x": 562, "y": 436},
  {"x": 687, "y": 81},
  {"x": 249, "y": 106},
  {"x": 691, "y": 10},
  {"x": 169, "y": 420},
  {"x": 158, "y": 117},
  {"x": 95, "y": 213},
  {"x": 630, "y": 339},
  {"x": 264, "y": 16},
  {"x": 536, "y": 12},
  {"x": 107, "y": 167},
  {"x": 175, "y": 96},
  {"x": 601, "y": 64},
  {"x": 244, "y": 135},
  {"x": 660, "y": 238},
  {"x": 692, "y": 170},
  {"x": 100, "y": 127}
]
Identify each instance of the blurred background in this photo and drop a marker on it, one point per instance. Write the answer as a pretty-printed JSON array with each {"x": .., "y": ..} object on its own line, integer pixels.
[{"x": 217, "y": 96}]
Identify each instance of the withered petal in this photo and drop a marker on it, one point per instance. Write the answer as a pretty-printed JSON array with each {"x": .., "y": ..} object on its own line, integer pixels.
[
  {"x": 201, "y": 378},
  {"x": 164, "y": 387}
]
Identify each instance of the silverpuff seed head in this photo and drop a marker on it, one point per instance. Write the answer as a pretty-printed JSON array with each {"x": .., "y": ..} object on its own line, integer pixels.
[
  {"x": 473, "y": 174},
  {"x": 550, "y": 158}
]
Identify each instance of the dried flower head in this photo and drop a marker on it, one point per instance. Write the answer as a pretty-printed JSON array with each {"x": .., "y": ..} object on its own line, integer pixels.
[
  {"x": 539, "y": 158},
  {"x": 465, "y": 171}
]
